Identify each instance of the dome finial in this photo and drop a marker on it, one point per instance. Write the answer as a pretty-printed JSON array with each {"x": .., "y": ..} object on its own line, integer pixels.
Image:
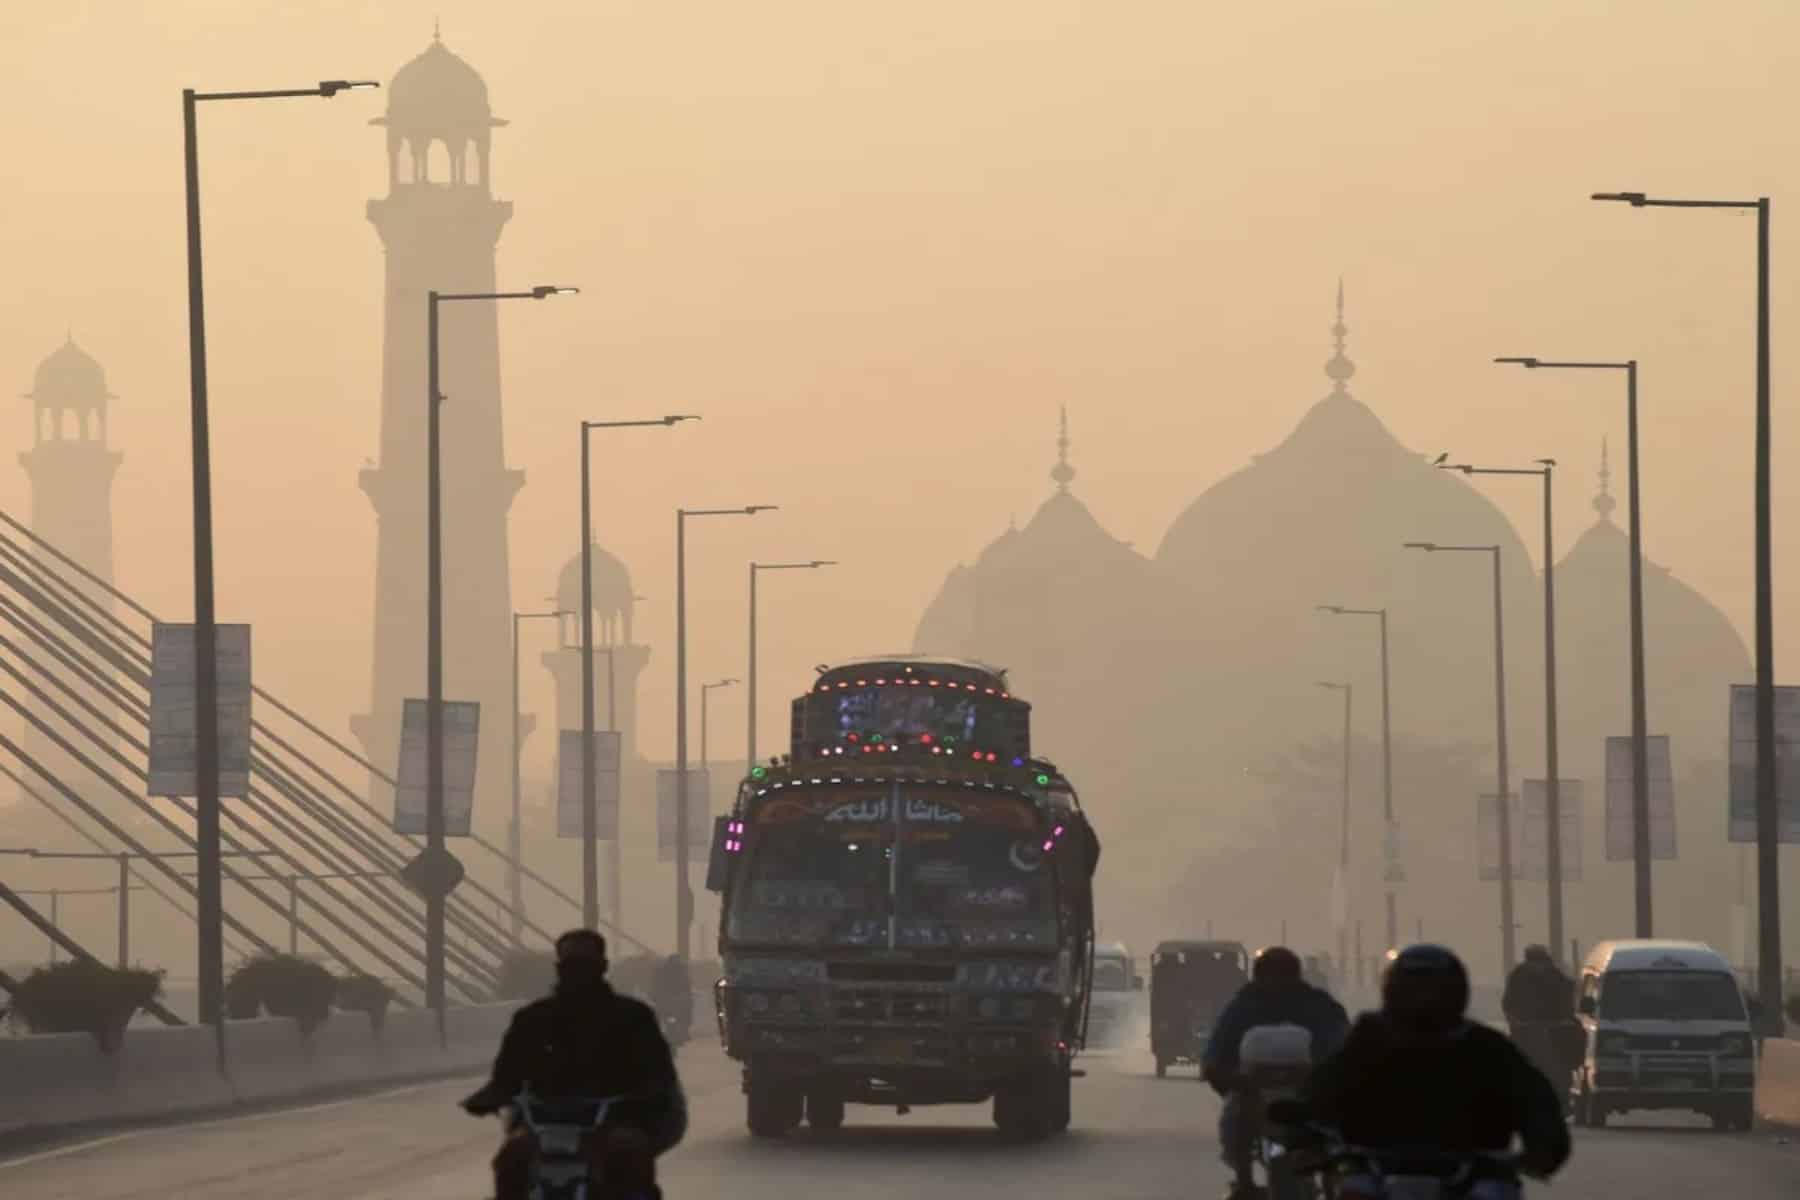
[
  {"x": 1604, "y": 502},
  {"x": 1339, "y": 368},
  {"x": 1062, "y": 472},
  {"x": 437, "y": 33}
]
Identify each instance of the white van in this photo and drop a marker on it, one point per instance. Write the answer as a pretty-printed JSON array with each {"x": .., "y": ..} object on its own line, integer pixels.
[
  {"x": 1114, "y": 1007},
  {"x": 1665, "y": 1027}
]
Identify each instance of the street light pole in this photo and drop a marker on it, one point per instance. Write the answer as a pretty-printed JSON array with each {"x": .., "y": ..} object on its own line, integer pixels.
[
  {"x": 1343, "y": 931},
  {"x": 1552, "y": 784},
  {"x": 750, "y": 675},
  {"x": 1504, "y": 820},
  {"x": 706, "y": 690},
  {"x": 208, "y": 893},
  {"x": 1387, "y": 766},
  {"x": 434, "y": 634},
  {"x": 590, "y": 802},
  {"x": 1768, "y": 825},
  {"x": 683, "y": 900},
  {"x": 515, "y": 838},
  {"x": 1640, "y": 738}
]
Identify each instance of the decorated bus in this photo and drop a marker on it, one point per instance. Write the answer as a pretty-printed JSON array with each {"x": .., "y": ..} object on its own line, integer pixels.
[{"x": 906, "y": 906}]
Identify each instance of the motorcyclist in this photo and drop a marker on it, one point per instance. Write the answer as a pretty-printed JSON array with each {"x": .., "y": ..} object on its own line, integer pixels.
[
  {"x": 1276, "y": 995},
  {"x": 672, "y": 995},
  {"x": 1420, "y": 1074},
  {"x": 1539, "y": 1004},
  {"x": 585, "y": 1039}
]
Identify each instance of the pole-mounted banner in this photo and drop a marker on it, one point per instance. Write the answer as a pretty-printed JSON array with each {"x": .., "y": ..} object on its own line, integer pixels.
[
  {"x": 1619, "y": 819},
  {"x": 462, "y": 738},
  {"x": 606, "y": 784},
  {"x": 172, "y": 767},
  {"x": 1743, "y": 763},
  {"x": 699, "y": 822}
]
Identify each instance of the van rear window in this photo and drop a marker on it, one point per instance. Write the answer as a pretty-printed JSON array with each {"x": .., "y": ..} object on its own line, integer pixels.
[{"x": 1670, "y": 996}]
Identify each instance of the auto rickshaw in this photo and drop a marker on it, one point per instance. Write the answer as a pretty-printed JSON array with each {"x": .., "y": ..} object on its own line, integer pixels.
[{"x": 1190, "y": 984}]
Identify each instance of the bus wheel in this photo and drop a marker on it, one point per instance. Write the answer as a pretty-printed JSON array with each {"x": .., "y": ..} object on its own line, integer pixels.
[{"x": 772, "y": 1110}]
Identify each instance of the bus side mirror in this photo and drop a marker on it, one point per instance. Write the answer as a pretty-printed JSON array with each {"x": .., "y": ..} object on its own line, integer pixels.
[{"x": 1585, "y": 1006}]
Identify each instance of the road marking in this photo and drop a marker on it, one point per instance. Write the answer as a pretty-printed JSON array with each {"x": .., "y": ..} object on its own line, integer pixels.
[{"x": 246, "y": 1118}]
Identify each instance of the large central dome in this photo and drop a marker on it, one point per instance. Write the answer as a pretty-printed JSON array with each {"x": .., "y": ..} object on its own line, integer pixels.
[{"x": 1320, "y": 519}]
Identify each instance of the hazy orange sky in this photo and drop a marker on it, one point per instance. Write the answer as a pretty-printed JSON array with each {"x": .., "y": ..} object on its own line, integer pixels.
[{"x": 877, "y": 245}]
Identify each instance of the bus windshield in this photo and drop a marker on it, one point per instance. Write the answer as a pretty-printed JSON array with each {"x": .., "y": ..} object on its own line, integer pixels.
[{"x": 897, "y": 864}]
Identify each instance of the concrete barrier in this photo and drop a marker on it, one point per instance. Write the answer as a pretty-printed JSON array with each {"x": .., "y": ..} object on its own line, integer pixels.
[
  {"x": 156, "y": 1065},
  {"x": 1778, "y": 1083},
  {"x": 54, "y": 1081},
  {"x": 264, "y": 1058}
]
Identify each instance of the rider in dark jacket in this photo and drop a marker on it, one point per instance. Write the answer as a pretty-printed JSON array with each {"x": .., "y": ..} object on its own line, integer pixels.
[
  {"x": 672, "y": 992},
  {"x": 1420, "y": 1074},
  {"x": 1539, "y": 1004},
  {"x": 587, "y": 1040},
  {"x": 1275, "y": 995}
]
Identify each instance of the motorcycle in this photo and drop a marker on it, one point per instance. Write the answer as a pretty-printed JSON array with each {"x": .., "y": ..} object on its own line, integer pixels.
[
  {"x": 1274, "y": 1062},
  {"x": 1397, "y": 1173},
  {"x": 562, "y": 1133}
]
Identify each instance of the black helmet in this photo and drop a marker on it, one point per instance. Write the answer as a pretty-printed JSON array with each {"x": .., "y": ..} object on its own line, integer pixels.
[
  {"x": 1538, "y": 954},
  {"x": 1425, "y": 989},
  {"x": 1276, "y": 964}
]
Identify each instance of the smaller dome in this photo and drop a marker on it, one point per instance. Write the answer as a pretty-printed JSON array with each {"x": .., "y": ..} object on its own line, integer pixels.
[
  {"x": 436, "y": 92},
  {"x": 71, "y": 377},
  {"x": 611, "y": 583}
]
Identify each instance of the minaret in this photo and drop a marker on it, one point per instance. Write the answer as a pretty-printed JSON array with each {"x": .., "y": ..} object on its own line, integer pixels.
[
  {"x": 71, "y": 472},
  {"x": 1604, "y": 502},
  {"x": 614, "y": 648},
  {"x": 439, "y": 225},
  {"x": 1062, "y": 474},
  {"x": 1338, "y": 368}
]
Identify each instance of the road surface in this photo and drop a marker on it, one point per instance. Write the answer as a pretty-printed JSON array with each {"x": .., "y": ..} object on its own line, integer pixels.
[{"x": 1135, "y": 1136}]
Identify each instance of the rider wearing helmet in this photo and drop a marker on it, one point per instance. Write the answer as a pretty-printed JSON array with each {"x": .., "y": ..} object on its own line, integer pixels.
[
  {"x": 1419, "y": 1073},
  {"x": 587, "y": 1040},
  {"x": 1276, "y": 995}
]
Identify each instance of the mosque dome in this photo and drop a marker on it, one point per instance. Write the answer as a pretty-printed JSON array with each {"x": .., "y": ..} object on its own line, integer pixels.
[
  {"x": 1321, "y": 519},
  {"x": 70, "y": 377},
  {"x": 1692, "y": 651},
  {"x": 438, "y": 91},
  {"x": 611, "y": 589}
]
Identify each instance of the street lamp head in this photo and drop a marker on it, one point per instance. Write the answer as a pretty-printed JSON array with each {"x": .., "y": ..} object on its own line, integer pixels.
[
  {"x": 750, "y": 510},
  {"x": 1465, "y": 468},
  {"x": 1335, "y": 687},
  {"x": 331, "y": 87},
  {"x": 542, "y": 290},
  {"x": 677, "y": 418},
  {"x": 1519, "y": 360},
  {"x": 1425, "y": 546},
  {"x": 1330, "y": 608},
  {"x": 1635, "y": 199},
  {"x": 1544, "y": 462},
  {"x": 823, "y": 562}
]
